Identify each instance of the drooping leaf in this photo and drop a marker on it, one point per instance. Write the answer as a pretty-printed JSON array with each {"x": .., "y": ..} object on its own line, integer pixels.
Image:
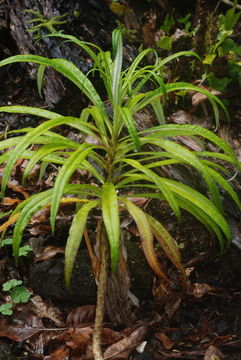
[
  {"x": 129, "y": 122},
  {"x": 167, "y": 243},
  {"x": 70, "y": 165},
  {"x": 40, "y": 77},
  {"x": 145, "y": 231},
  {"x": 75, "y": 237},
  {"x": 202, "y": 202},
  {"x": 111, "y": 220},
  {"x": 160, "y": 184},
  {"x": 27, "y": 140}
]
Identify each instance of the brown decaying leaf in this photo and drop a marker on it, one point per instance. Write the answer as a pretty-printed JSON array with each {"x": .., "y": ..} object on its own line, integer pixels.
[
  {"x": 172, "y": 306},
  {"x": 44, "y": 310},
  {"x": 24, "y": 329},
  {"x": 62, "y": 353},
  {"x": 48, "y": 253},
  {"x": 199, "y": 98},
  {"x": 14, "y": 185},
  {"x": 40, "y": 216},
  {"x": 199, "y": 290},
  {"x": 213, "y": 353},
  {"x": 9, "y": 201},
  {"x": 81, "y": 315},
  {"x": 129, "y": 342},
  {"x": 165, "y": 340}
]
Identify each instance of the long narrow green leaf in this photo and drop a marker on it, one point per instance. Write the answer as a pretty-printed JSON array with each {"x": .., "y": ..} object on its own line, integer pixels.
[
  {"x": 129, "y": 122},
  {"x": 181, "y": 153},
  {"x": 145, "y": 231},
  {"x": 169, "y": 130},
  {"x": 175, "y": 56},
  {"x": 26, "y": 141},
  {"x": 111, "y": 220},
  {"x": 225, "y": 185},
  {"x": 70, "y": 165},
  {"x": 203, "y": 217},
  {"x": 66, "y": 68},
  {"x": 30, "y": 208},
  {"x": 29, "y": 110},
  {"x": 75, "y": 237},
  {"x": 202, "y": 202},
  {"x": 40, "y": 77},
  {"x": 116, "y": 74},
  {"x": 159, "y": 182}
]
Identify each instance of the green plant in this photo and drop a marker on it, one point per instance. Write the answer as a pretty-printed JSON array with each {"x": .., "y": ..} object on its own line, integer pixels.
[
  {"x": 186, "y": 22},
  {"x": 168, "y": 23},
  {"x": 225, "y": 46},
  {"x": 23, "y": 250},
  {"x": 122, "y": 159},
  {"x": 18, "y": 294},
  {"x": 43, "y": 23}
]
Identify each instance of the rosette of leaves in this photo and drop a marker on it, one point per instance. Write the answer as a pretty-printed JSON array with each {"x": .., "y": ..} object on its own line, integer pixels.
[{"x": 121, "y": 159}]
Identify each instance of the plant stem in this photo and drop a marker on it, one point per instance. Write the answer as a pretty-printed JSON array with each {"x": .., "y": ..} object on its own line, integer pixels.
[{"x": 101, "y": 291}]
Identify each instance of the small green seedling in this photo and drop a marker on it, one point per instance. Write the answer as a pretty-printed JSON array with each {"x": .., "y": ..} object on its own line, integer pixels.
[
  {"x": 6, "y": 309},
  {"x": 17, "y": 293},
  {"x": 23, "y": 250}
]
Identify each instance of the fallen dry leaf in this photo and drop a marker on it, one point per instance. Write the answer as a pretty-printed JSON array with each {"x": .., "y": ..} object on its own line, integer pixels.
[
  {"x": 9, "y": 201},
  {"x": 44, "y": 310},
  {"x": 199, "y": 290},
  {"x": 172, "y": 306},
  {"x": 166, "y": 342},
  {"x": 62, "y": 353},
  {"x": 213, "y": 353},
  {"x": 81, "y": 315},
  {"x": 116, "y": 351},
  {"x": 14, "y": 185},
  {"x": 22, "y": 330},
  {"x": 39, "y": 230},
  {"x": 199, "y": 98},
  {"x": 48, "y": 253},
  {"x": 78, "y": 339}
]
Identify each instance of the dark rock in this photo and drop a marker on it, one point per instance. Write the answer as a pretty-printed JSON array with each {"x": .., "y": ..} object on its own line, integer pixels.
[{"x": 47, "y": 278}]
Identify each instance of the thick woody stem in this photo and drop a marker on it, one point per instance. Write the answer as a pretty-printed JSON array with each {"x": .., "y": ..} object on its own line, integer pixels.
[{"x": 100, "y": 307}]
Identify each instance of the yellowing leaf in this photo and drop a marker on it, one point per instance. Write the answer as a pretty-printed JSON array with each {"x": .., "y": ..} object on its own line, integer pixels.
[{"x": 144, "y": 228}]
